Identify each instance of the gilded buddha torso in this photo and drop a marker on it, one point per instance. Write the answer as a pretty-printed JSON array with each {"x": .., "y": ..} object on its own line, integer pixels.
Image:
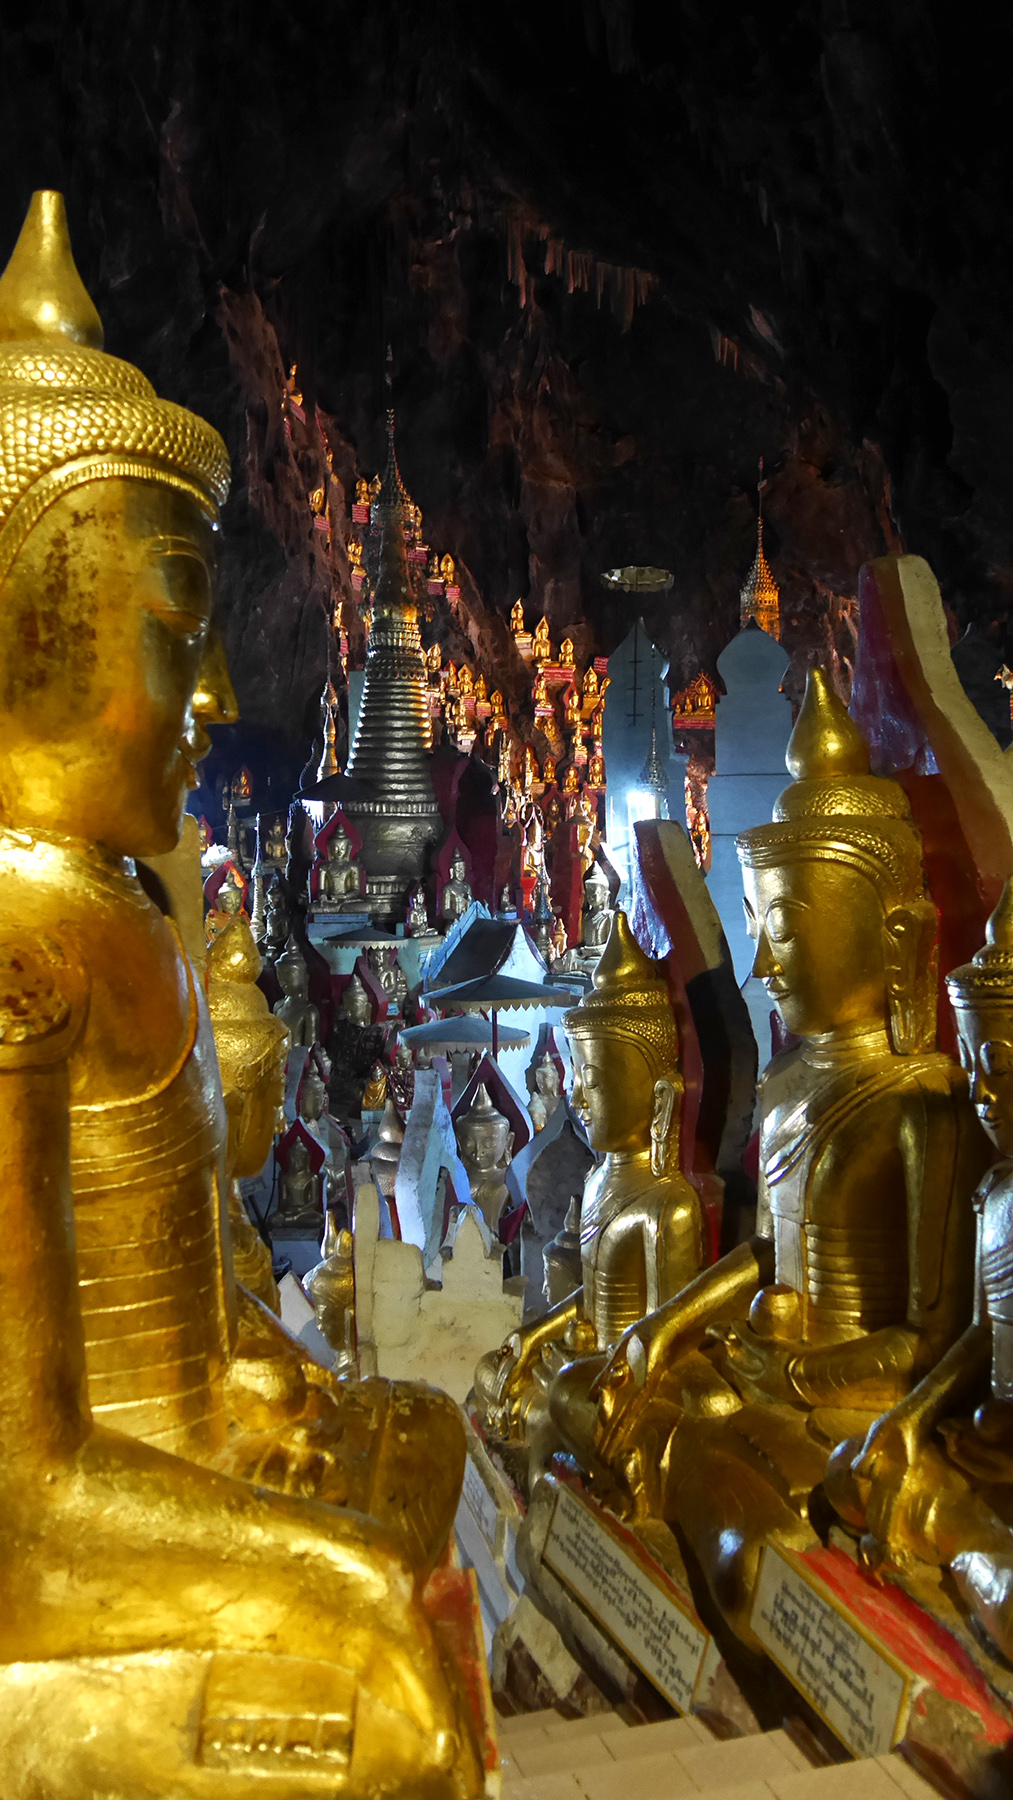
[
  {"x": 845, "y": 1132},
  {"x": 632, "y": 1224},
  {"x": 147, "y": 1132}
]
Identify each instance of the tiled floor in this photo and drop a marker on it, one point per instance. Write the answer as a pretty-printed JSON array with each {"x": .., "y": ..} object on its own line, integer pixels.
[{"x": 602, "y": 1758}]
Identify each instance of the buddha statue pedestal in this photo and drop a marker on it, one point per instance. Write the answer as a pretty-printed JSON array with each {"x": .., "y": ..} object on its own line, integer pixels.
[
  {"x": 640, "y": 1227},
  {"x": 718, "y": 1413}
]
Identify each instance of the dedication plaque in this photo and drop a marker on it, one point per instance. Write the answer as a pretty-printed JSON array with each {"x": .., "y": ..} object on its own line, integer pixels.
[
  {"x": 639, "y": 1611},
  {"x": 481, "y": 1505},
  {"x": 849, "y": 1679}
]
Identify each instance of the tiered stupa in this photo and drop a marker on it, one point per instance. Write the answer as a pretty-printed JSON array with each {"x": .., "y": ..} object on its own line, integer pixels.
[
  {"x": 393, "y": 737},
  {"x": 760, "y": 596}
]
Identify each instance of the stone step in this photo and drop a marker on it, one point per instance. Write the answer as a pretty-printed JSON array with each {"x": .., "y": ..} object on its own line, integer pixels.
[{"x": 545, "y": 1757}]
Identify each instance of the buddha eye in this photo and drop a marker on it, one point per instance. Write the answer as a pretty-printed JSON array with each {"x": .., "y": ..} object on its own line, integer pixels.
[
  {"x": 997, "y": 1057},
  {"x": 781, "y": 920}
]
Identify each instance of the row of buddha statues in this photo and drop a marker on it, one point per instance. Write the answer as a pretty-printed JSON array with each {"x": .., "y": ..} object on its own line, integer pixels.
[{"x": 852, "y": 1360}]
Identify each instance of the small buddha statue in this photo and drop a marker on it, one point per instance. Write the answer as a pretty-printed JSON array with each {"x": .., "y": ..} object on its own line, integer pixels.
[
  {"x": 720, "y": 1409},
  {"x": 640, "y": 1224},
  {"x": 252, "y": 1050},
  {"x": 356, "y": 1004},
  {"x": 386, "y": 1153},
  {"x": 296, "y": 1010},
  {"x": 561, "y": 1258},
  {"x": 383, "y": 962},
  {"x": 457, "y": 895},
  {"x": 932, "y": 1484},
  {"x": 401, "y": 1078},
  {"x": 543, "y": 921},
  {"x": 540, "y": 643},
  {"x": 571, "y": 781},
  {"x": 546, "y": 1096},
  {"x": 339, "y": 877},
  {"x": 301, "y": 1201},
  {"x": 558, "y": 940},
  {"x": 228, "y": 901},
  {"x": 374, "y": 1094},
  {"x": 330, "y": 1285},
  {"x": 590, "y": 683},
  {"x": 566, "y": 653},
  {"x": 485, "y": 1142},
  {"x": 417, "y": 916},
  {"x": 596, "y": 918},
  {"x": 275, "y": 846},
  {"x": 549, "y": 771},
  {"x": 572, "y": 709},
  {"x": 596, "y": 770},
  {"x": 126, "y": 1545},
  {"x": 517, "y": 617}
]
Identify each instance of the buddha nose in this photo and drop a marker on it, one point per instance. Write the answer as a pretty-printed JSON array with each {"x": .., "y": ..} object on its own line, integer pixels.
[
  {"x": 214, "y": 702},
  {"x": 765, "y": 963}
]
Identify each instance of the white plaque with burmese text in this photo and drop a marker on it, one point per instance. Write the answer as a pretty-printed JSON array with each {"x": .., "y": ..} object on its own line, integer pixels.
[
  {"x": 637, "y": 1610},
  {"x": 857, "y": 1689}
]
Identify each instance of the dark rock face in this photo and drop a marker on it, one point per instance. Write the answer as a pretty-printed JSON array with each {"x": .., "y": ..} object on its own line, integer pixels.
[{"x": 619, "y": 251}]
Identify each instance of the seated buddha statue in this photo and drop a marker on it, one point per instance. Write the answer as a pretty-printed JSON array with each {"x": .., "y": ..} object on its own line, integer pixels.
[
  {"x": 252, "y": 1049},
  {"x": 719, "y": 1411},
  {"x": 340, "y": 878},
  {"x": 301, "y": 1201},
  {"x": 167, "y": 1628},
  {"x": 457, "y": 896},
  {"x": 932, "y": 1484},
  {"x": 296, "y": 1011},
  {"x": 641, "y": 1230},
  {"x": 485, "y": 1143}
]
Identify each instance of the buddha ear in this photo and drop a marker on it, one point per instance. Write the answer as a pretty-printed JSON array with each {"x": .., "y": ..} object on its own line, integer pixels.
[
  {"x": 661, "y": 1123},
  {"x": 910, "y": 966}
]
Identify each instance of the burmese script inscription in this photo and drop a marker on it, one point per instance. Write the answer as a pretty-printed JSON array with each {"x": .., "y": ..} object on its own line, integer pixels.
[
  {"x": 855, "y": 1688},
  {"x": 641, "y": 1616},
  {"x": 481, "y": 1503}
]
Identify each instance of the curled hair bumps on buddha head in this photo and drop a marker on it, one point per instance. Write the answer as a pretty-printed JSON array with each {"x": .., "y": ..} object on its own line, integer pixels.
[
  {"x": 837, "y": 811},
  {"x": 629, "y": 1000},
  {"x": 69, "y": 413}
]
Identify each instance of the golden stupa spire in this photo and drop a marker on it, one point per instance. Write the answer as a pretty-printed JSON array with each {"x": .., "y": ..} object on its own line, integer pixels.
[
  {"x": 760, "y": 596},
  {"x": 989, "y": 974},
  {"x": 826, "y": 741},
  {"x": 41, "y": 293}
]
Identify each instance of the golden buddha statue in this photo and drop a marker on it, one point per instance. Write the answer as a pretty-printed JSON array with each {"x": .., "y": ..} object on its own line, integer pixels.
[
  {"x": 540, "y": 643},
  {"x": 331, "y": 1287},
  {"x": 641, "y": 1227},
  {"x": 590, "y": 683},
  {"x": 456, "y": 896},
  {"x": 386, "y": 1153},
  {"x": 356, "y": 1004},
  {"x": 928, "y": 1487},
  {"x": 276, "y": 844},
  {"x": 374, "y": 1094},
  {"x": 485, "y": 1143},
  {"x": 301, "y": 1202},
  {"x": 229, "y": 900},
  {"x": 252, "y": 1050},
  {"x": 166, "y": 1628},
  {"x": 417, "y": 916},
  {"x": 547, "y": 1094},
  {"x": 721, "y": 1409},
  {"x": 339, "y": 880}
]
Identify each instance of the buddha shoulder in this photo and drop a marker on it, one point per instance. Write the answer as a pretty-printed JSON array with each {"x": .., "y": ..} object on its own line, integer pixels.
[{"x": 43, "y": 999}]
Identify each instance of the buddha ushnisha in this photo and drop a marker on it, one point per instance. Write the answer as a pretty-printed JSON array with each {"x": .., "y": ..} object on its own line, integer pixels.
[
  {"x": 719, "y": 1412},
  {"x": 933, "y": 1484},
  {"x": 640, "y": 1221},
  {"x": 165, "y": 1629}
]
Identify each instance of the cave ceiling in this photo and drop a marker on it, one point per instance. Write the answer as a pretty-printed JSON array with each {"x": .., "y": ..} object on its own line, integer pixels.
[{"x": 619, "y": 252}]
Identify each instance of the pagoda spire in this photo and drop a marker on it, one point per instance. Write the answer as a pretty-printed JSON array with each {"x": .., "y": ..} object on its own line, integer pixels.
[
  {"x": 760, "y": 596},
  {"x": 394, "y": 734}
]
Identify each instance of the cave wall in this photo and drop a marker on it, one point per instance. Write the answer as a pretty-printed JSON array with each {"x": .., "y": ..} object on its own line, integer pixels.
[{"x": 619, "y": 254}]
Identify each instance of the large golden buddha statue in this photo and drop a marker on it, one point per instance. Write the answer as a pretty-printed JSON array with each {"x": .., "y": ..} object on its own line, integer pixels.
[
  {"x": 932, "y": 1484},
  {"x": 719, "y": 1412},
  {"x": 640, "y": 1223},
  {"x": 165, "y": 1628}
]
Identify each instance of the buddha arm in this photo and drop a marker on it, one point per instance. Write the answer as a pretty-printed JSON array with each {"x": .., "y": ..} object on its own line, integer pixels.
[{"x": 722, "y": 1292}]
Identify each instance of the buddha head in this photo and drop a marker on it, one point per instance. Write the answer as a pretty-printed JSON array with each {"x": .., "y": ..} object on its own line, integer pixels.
[
  {"x": 484, "y": 1137},
  {"x": 835, "y": 892},
  {"x": 292, "y": 973},
  {"x": 312, "y": 1095},
  {"x": 596, "y": 889},
  {"x": 626, "y": 1079},
  {"x": 252, "y": 1047},
  {"x": 457, "y": 871},
  {"x": 109, "y": 504},
  {"x": 981, "y": 994},
  {"x": 230, "y": 896},
  {"x": 547, "y": 1078},
  {"x": 339, "y": 847},
  {"x": 355, "y": 1002}
]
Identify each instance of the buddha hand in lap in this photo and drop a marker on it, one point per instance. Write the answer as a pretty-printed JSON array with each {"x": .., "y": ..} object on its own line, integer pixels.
[
  {"x": 112, "y": 1169},
  {"x": 719, "y": 1412},
  {"x": 640, "y": 1224},
  {"x": 933, "y": 1481}
]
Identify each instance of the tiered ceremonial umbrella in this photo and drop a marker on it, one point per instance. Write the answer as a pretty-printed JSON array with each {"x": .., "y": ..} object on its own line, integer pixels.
[{"x": 499, "y": 993}]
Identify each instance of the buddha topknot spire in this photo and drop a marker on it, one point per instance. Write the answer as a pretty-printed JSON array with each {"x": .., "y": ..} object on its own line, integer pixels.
[
  {"x": 991, "y": 969},
  {"x": 41, "y": 293},
  {"x": 630, "y": 999},
  {"x": 825, "y": 741}
]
